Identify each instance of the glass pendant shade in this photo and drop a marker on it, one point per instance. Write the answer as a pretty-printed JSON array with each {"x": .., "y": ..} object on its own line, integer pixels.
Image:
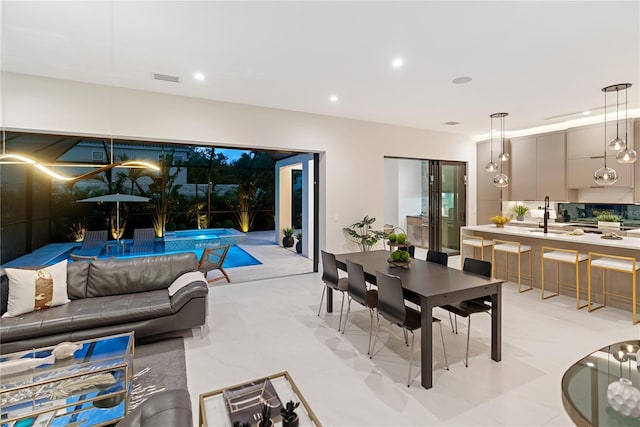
[
  {"x": 501, "y": 180},
  {"x": 617, "y": 144},
  {"x": 503, "y": 157},
  {"x": 605, "y": 176},
  {"x": 491, "y": 167},
  {"x": 626, "y": 155}
]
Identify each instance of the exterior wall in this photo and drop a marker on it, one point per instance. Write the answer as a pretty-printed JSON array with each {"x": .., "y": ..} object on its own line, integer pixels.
[{"x": 351, "y": 152}]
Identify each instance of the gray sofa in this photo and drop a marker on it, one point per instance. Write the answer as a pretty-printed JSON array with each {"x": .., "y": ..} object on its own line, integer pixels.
[
  {"x": 110, "y": 297},
  {"x": 169, "y": 408}
]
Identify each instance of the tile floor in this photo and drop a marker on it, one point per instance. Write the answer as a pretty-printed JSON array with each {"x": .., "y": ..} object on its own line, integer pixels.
[{"x": 262, "y": 327}]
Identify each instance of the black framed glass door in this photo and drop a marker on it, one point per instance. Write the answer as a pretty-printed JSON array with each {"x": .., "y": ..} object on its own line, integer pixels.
[{"x": 447, "y": 204}]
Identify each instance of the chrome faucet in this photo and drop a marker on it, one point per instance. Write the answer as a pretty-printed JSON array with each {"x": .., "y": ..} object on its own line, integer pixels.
[{"x": 546, "y": 214}]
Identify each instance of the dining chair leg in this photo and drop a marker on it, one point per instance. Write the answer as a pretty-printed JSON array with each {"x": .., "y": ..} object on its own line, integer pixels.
[
  {"x": 413, "y": 337},
  {"x": 406, "y": 338},
  {"x": 453, "y": 331},
  {"x": 324, "y": 289},
  {"x": 341, "y": 307},
  {"x": 466, "y": 359},
  {"x": 376, "y": 338},
  {"x": 444, "y": 350},
  {"x": 370, "y": 330},
  {"x": 346, "y": 318}
]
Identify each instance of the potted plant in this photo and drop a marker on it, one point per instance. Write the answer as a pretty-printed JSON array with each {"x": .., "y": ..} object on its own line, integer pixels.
[
  {"x": 361, "y": 233},
  {"x": 287, "y": 240},
  {"x": 289, "y": 417},
  {"x": 299, "y": 242},
  {"x": 265, "y": 416},
  {"x": 608, "y": 220},
  {"x": 520, "y": 210}
]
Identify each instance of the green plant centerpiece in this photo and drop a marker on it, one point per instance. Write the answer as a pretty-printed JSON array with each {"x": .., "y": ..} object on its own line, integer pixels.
[
  {"x": 287, "y": 240},
  {"x": 520, "y": 210},
  {"x": 608, "y": 217},
  {"x": 299, "y": 242},
  {"x": 362, "y": 233},
  {"x": 289, "y": 416}
]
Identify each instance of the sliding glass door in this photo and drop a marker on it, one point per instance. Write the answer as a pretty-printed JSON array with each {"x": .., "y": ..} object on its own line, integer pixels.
[{"x": 447, "y": 204}]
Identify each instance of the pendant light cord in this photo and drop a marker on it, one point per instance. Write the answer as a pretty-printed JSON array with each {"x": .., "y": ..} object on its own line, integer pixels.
[
  {"x": 617, "y": 116},
  {"x": 491, "y": 142},
  {"x": 605, "y": 128}
]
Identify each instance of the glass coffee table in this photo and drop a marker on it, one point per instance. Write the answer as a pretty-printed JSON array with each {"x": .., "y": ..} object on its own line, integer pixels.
[
  {"x": 216, "y": 406},
  {"x": 584, "y": 384},
  {"x": 90, "y": 388}
]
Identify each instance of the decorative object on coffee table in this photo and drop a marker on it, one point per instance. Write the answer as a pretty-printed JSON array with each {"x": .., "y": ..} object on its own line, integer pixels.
[
  {"x": 289, "y": 416},
  {"x": 265, "y": 416},
  {"x": 624, "y": 398}
]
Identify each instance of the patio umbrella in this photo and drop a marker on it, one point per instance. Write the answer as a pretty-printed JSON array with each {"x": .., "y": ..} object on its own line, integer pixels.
[{"x": 117, "y": 198}]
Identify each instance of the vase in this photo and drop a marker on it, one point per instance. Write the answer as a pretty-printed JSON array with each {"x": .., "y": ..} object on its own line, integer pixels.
[
  {"x": 287, "y": 242},
  {"x": 292, "y": 423},
  {"x": 624, "y": 398}
]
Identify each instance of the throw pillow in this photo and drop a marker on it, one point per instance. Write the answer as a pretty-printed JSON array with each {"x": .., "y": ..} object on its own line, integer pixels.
[
  {"x": 184, "y": 279},
  {"x": 31, "y": 290}
]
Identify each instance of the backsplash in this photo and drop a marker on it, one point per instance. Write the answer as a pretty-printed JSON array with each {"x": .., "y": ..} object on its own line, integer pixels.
[{"x": 588, "y": 211}]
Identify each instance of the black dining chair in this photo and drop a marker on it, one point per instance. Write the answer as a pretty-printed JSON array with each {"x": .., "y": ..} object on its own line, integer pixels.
[
  {"x": 332, "y": 280},
  {"x": 392, "y": 307},
  {"x": 357, "y": 290},
  {"x": 437, "y": 257},
  {"x": 473, "y": 306}
]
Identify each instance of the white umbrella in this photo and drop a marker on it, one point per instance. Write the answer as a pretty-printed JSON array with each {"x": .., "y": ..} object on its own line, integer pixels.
[{"x": 117, "y": 198}]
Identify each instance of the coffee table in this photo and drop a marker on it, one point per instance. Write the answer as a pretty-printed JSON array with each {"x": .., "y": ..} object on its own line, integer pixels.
[
  {"x": 214, "y": 411},
  {"x": 91, "y": 388}
]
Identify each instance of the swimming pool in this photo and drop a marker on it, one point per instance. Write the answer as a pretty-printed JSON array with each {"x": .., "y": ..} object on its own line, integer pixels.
[{"x": 184, "y": 240}]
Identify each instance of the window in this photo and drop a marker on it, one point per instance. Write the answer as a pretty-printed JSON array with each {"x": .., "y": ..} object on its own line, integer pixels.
[{"x": 97, "y": 157}]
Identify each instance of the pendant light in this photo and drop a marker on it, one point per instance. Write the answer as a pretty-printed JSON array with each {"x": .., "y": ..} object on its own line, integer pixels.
[
  {"x": 606, "y": 175},
  {"x": 617, "y": 143},
  {"x": 626, "y": 154},
  {"x": 501, "y": 180},
  {"x": 491, "y": 166}
]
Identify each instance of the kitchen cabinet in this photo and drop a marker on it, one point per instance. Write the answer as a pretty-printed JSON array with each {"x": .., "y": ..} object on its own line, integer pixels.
[
  {"x": 489, "y": 196},
  {"x": 580, "y": 172},
  {"x": 538, "y": 165}
]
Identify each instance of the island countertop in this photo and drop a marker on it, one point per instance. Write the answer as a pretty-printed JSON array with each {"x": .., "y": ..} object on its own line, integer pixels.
[{"x": 556, "y": 235}]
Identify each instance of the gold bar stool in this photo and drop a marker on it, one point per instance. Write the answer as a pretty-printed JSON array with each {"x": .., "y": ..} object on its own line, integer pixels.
[
  {"x": 566, "y": 256},
  {"x": 614, "y": 263},
  {"x": 510, "y": 247},
  {"x": 477, "y": 242}
]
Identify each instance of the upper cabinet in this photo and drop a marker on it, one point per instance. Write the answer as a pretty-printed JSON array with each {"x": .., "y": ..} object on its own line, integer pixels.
[
  {"x": 488, "y": 195},
  {"x": 538, "y": 167},
  {"x": 586, "y": 151}
]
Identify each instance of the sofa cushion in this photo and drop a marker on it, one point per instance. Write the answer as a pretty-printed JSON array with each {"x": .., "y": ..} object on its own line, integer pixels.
[
  {"x": 87, "y": 313},
  {"x": 77, "y": 274},
  {"x": 33, "y": 290},
  {"x": 116, "y": 277}
]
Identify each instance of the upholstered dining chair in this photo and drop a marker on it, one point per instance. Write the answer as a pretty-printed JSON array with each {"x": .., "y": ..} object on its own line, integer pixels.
[
  {"x": 473, "y": 306},
  {"x": 332, "y": 280},
  {"x": 437, "y": 257},
  {"x": 212, "y": 259},
  {"x": 357, "y": 290},
  {"x": 392, "y": 307}
]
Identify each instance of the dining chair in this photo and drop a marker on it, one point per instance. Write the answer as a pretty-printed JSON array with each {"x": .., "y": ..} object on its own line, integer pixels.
[
  {"x": 392, "y": 307},
  {"x": 212, "y": 259},
  {"x": 437, "y": 257},
  {"x": 357, "y": 290},
  {"x": 472, "y": 306},
  {"x": 332, "y": 280}
]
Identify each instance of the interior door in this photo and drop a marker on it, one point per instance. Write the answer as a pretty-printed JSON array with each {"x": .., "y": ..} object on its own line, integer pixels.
[{"x": 447, "y": 204}]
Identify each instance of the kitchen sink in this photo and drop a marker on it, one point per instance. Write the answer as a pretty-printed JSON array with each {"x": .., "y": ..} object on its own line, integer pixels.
[{"x": 541, "y": 231}]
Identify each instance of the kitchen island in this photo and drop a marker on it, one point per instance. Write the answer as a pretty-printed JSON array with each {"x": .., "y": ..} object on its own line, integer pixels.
[{"x": 618, "y": 283}]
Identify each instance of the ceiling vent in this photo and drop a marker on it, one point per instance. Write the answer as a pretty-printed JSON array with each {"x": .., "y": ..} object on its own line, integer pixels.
[
  {"x": 452, "y": 123},
  {"x": 166, "y": 78}
]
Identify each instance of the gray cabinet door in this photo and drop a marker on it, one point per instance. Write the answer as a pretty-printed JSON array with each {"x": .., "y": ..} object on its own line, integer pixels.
[
  {"x": 523, "y": 168},
  {"x": 551, "y": 156}
]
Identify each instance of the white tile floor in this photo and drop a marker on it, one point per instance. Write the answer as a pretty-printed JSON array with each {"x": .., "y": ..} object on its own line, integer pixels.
[{"x": 263, "y": 327}]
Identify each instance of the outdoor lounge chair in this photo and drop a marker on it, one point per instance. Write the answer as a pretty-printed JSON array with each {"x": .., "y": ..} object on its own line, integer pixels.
[
  {"x": 212, "y": 259},
  {"x": 93, "y": 244},
  {"x": 143, "y": 241}
]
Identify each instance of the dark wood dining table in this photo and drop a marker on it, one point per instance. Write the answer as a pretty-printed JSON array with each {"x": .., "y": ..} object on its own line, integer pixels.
[{"x": 432, "y": 285}]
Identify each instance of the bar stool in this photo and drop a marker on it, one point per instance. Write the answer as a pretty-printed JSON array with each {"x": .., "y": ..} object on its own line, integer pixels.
[
  {"x": 510, "y": 247},
  {"x": 567, "y": 256},
  {"x": 477, "y": 242},
  {"x": 614, "y": 263}
]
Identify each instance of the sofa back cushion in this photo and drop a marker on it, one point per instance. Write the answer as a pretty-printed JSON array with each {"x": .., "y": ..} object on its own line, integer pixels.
[
  {"x": 116, "y": 277},
  {"x": 77, "y": 274}
]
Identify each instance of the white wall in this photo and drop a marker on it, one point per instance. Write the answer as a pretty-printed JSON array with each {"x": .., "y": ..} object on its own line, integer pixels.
[
  {"x": 402, "y": 190},
  {"x": 352, "y": 151}
]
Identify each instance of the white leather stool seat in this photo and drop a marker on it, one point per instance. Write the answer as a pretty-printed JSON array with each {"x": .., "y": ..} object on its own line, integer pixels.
[
  {"x": 615, "y": 264},
  {"x": 512, "y": 248},
  {"x": 477, "y": 243},
  {"x": 564, "y": 256}
]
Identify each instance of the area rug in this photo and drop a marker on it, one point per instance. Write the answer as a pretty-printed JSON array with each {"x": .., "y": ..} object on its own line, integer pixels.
[{"x": 159, "y": 365}]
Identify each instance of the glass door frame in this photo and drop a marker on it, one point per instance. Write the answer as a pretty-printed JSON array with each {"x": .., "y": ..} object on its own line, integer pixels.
[{"x": 436, "y": 203}]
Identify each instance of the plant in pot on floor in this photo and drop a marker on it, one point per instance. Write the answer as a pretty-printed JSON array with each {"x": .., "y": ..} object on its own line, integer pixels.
[
  {"x": 289, "y": 417},
  {"x": 361, "y": 233},
  {"x": 520, "y": 210},
  {"x": 287, "y": 240},
  {"x": 299, "y": 242}
]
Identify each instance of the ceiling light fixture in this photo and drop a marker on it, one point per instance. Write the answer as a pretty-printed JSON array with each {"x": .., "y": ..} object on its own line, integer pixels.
[
  {"x": 606, "y": 175},
  {"x": 198, "y": 76},
  {"x": 626, "y": 154},
  {"x": 333, "y": 98},
  {"x": 617, "y": 143},
  {"x": 461, "y": 80},
  {"x": 491, "y": 166},
  {"x": 501, "y": 180},
  {"x": 397, "y": 63}
]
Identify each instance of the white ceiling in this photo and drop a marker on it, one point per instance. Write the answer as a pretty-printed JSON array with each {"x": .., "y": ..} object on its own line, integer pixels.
[{"x": 534, "y": 60}]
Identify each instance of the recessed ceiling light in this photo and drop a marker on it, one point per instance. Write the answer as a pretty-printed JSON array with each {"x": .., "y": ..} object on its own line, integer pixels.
[
  {"x": 586, "y": 113},
  {"x": 333, "y": 98},
  {"x": 198, "y": 76},
  {"x": 461, "y": 80},
  {"x": 397, "y": 63}
]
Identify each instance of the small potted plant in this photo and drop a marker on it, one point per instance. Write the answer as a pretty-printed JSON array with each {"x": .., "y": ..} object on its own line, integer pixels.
[
  {"x": 287, "y": 240},
  {"x": 608, "y": 220},
  {"x": 289, "y": 417},
  {"x": 520, "y": 210},
  {"x": 361, "y": 233},
  {"x": 299, "y": 242},
  {"x": 265, "y": 416}
]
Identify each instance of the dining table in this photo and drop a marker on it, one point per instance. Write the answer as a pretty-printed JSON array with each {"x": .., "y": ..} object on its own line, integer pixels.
[{"x": 432, "y": 285}]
